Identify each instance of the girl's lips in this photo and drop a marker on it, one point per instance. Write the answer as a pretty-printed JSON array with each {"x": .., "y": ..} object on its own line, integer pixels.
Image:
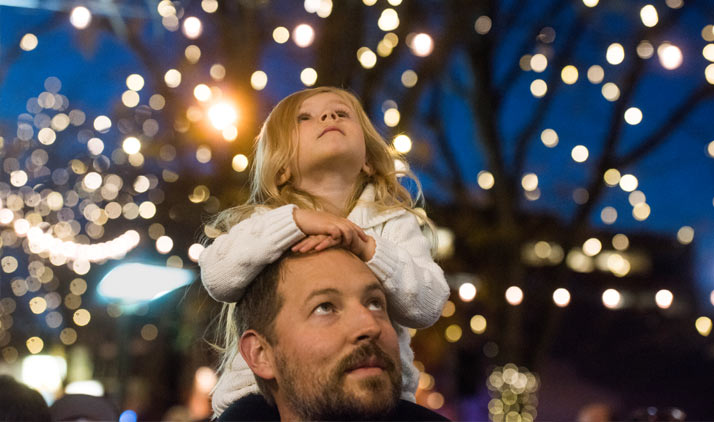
[{"x": 330, "y": 129}]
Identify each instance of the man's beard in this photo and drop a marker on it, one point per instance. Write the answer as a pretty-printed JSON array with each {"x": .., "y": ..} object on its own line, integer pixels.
[{"x": 318, "y": 396}]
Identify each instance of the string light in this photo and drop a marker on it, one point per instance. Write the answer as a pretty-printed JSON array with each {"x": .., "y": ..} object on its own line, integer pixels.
[{"x": 80, "y": 17}]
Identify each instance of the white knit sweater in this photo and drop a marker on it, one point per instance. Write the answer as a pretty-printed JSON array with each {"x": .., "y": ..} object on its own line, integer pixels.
[{"x": 415, "y": 284}]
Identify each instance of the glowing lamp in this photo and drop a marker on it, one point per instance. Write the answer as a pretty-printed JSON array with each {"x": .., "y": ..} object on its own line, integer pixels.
[{"x": 137, "y": 283}]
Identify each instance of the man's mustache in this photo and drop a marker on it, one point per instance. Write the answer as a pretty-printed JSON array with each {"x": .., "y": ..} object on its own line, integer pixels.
[{"x": 362, "y": 355}]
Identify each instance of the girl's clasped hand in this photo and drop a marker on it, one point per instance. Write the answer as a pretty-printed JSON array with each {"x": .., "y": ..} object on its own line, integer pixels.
[{"x": 325, "y": 230}]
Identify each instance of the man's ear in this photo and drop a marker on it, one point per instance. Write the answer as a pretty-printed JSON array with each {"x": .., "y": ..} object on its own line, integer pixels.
[
  {"x": 367, "y": 169},
  {"x": 258, "y": 354},
  {"x": 283, "y": 176}
]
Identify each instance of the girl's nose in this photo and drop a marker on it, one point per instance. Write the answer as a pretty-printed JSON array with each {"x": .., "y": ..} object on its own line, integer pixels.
[{"x": 330, "y": 114}]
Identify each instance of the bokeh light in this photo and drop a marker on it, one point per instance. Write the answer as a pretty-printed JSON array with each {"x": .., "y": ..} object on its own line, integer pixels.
[
  {"x": 303, "y": 35},
  {"x": 561, "y": 297},
  {"x": 467, "y": 292},
  {"x": 664, "y": 298},
  {"x": 514, "y": 295},
  {"x": 80, "y": 17}
]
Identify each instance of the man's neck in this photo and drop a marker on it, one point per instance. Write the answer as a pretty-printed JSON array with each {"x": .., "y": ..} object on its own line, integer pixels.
[{"x": 333, "y": 190}]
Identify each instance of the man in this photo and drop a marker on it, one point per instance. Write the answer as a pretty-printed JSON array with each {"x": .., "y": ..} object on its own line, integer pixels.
[{"x": 317, "y": 335}]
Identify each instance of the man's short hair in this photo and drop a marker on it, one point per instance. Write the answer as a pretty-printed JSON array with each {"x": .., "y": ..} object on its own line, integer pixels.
[
  {"x": 258, "y": 309},
  {"x": 19, "y": 402}
]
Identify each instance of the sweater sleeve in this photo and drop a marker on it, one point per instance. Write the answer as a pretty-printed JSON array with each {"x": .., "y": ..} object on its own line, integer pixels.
[
  {"x": 415, "y": 284},
  {"x": 231, "y": 262}
]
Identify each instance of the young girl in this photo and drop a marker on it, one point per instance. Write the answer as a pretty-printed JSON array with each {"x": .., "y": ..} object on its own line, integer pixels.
[{"x": 322, "y": 176}]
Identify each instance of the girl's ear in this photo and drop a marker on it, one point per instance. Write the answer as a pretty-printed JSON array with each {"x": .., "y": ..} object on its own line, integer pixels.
[
  {"x": 367, "y": 169},
  {"x": 283, "y": 176}
]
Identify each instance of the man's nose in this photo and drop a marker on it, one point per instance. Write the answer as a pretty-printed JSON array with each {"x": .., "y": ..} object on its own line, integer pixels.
[
  {"x": 328, "y": 115},
  {"x": 365, "y": 326}
]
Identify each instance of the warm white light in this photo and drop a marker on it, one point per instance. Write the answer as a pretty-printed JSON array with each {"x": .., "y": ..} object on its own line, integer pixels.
[
  {"x": 610, "y": 91},
  {"x": 529, "y": 182},
  {"x": 615, "y": 54},
  {"x": 485, "y": 179},
  {"x": 422, "y": 45},
  {"x": 391, "y": 117},
  {"x": 172, "y": 77},
  {"x": 28, "y": 42},
  {"x": 303, "y": 35},
  {"x": 611, "y": 298},
  {"x": 549, "y": 137},
  {"x": 92, "y": 181},
  {"x": 569, "y": 74},
  {"x": 80, "y": 17},
  {"x": 670, "y": 56},
  {"x": 43, "y": 373},
  {"x": 664, "y": 298},
  {"x": 483, "y": 25},
  {"x": 467, "y": 292},
  {"x": 402, "y": 144},
  {"x": 580, "y": 153},
  {"x": 308, "y": 76},
  {"x": 539, "y": 88},
  {"x": 192, "y": 27},
  {"x": 205, "y": 379},
  {"x": 202, "y": 92},
  {"x": 131, "y": 145},
  {"x": 388, "y": 20},
  {"x": 164, "y": 244},
  {"x": 561, "y": 297},
  {"x": 239, "y": 162},
  {"x": 591, "y": 3},
  {"x": 222, "y": 115},
  {"x": 703, "y": 325},
  {"x": 649, "y": 17},
  {"x": 633, "y": 116},
  {"x": 628, "y": 182},
  {"x": 685, "y": 235},
  {"x": 258, "y": 80},
  {"x": 281, "y": 35},
  {"x": 134, "y": 82},
  {"x": 367, "y": 58},
  {"x": 194, "y": 251},
  {"x": 539, "y": 63},
  {"x": 102, "y": 124},
  {"x": 514, "y": 295}
]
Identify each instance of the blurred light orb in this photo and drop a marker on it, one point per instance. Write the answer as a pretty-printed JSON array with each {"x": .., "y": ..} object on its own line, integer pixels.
[
  {"x": 80, "y": 17},
  {"x": 409, "y": 78},
  {"x": 664, "y": 298},
  {"x": 203, "y": 154},
  {"x": 670, "y": 56},
  {"x": 81, "y": 317},
  {"x": 539, "y": 88},
  {"x": 591, "y": 3},
  {"x": 369, "y": 2},
  {"x": 612, "y": 177},
  {"x": 131, "y": 145},
  {"x": 388, "y": 20},
  {"x": 453, "y": 333},
  {"x": 708, "y": 33},
  {"x": 164, "y": 244},
  {"x": 218, "y": 72},
  {"x": 483, "y": 25},
  {"x": 685, "y": 235},
  {"x": 549, "y": 137},
  {"x": 435, "y": 400},
  {"x": 645, "y": 49},
  {"x": 478, "y": 324},
  {"x": 633, "y": 116},
  {"x": 708, "y": 52},
  {"x": 596, "y": 74},
  {"x": 615, "y": 54},
  {"x": 202, "y": 93},
  {"x": 205, "y": 379},
  {"x": 391, "y": 117},
  {"x": 636, "y": 197},
  {"x": 422, "y": 44},
  {"x": 258, "y": 80},
  {"x": 311, "y": 6},
  {"x": 192, "y": 27},
  {"x": 209, "y": 6},
  {"x": 649, "y": 16},
  {"x": 620, "y": 242},
  {"x": 539, "y": 62},
  {"x": 130, "y": 98},
  {"x": 230, "y": 133},
  {"x": 239, "y": 163},
  {"x": 34, "y": 345},
  {"x": 611, "y": 298},
  {"x": 561, "y": 297},
  {"x": 610, "y": 91},
  {"x": 303, "y": 35},
  {"x": 641, "y": 211},
  {"x": 18, "y": 178},
  {"x": 92, "y": 181},
  {"x": 308, "y": 76},
  {"x": 172, "y": 77},
  {"x": 702, "y": 324},
  {"x": 709, "y": 74},
  {"x": 514, "y": 295},
  {"x": 194, "y": 251},
  {"x": 485, "y": 179},
  {"x": 367, "y": 58},
  {"x": 394, "y": 2},
  {"x": 569, "y": 74},
  {"x": 467, "y": 292},
  {"x": 628, "y": 182},
  {"x": 28, "y": 42},
  {"x": 592, "y": 247},
  {"x": 710, "y": 149},
  {"x": 580, "y": 153},
  {"x": 529, "y": 182},
  {"x": 674, "y": 4},
  {"x": 402, "y": 143},
  {"x": 222, "y": 115},
  {"x": 46, "y": 136},
  {"x": 102, "y": 124},
  {"x": 449, "y": 309},
  {"x": 135, "y": 82},
  {"x": 281, "y": 35},
  {"x": 147, "y": 210}
]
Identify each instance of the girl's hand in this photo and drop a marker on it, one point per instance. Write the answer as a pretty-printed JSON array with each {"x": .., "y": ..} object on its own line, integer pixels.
[
  {"x": 363, "y": 249},
  {"x": 339, "y": 229}
]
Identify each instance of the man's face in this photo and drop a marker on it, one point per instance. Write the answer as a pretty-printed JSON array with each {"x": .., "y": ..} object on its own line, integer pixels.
[{"x": 336, "y": 353}]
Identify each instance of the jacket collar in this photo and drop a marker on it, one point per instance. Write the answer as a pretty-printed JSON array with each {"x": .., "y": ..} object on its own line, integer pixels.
[{"x": 366, "y": 215}]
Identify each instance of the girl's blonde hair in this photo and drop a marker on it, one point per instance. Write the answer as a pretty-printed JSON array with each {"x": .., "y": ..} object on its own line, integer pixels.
[{"x": 276, "y": 151}]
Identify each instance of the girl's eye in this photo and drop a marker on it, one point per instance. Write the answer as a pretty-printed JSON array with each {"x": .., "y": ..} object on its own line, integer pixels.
[
  {"x": 342, "y": 113},
  {"x": 302, "y": 117},
  {"x": 324, "y": 309}
]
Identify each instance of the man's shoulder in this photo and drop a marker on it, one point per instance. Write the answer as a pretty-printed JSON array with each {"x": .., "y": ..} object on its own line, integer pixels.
[
  {"x": 408, "y": 411},
  {"x": 252, "y": 407}
]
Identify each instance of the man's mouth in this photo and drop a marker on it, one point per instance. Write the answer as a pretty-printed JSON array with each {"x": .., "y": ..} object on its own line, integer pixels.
[
  {"x": 370, "y": 363},
  {"x": 330, "y": 129}
]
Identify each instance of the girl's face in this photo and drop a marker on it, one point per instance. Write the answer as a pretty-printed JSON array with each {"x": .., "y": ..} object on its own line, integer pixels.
[{"x": 330, "y": 137}]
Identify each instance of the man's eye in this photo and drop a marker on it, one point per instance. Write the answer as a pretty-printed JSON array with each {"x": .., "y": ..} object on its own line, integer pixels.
[
  {"x": 324, "y": 309},
  {"x": 376, "y": 305}
]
